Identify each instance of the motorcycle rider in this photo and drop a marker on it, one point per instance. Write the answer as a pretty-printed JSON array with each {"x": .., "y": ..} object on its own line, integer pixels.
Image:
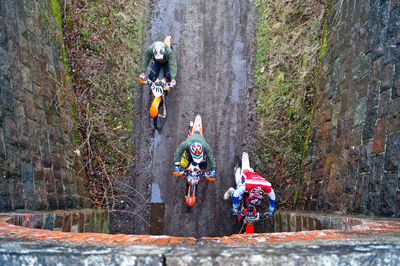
[
  {"x": 252, "y": 188},
  {"x": 194, "y": 150},
  {"x": 163, "y": 57}
]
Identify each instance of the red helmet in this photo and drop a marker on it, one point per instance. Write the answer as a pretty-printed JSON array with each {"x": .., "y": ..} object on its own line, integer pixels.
[
  {"x": 197, "y": 151},
  {"x": 256, "y": 196}
]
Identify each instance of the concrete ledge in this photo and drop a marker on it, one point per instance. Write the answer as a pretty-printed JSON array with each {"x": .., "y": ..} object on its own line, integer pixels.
[{"x": 22, "y": 225}]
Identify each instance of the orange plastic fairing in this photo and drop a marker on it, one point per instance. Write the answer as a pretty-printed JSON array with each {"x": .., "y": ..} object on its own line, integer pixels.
[
  {"x": 190, "y": 201},
  {"x": 210, "y": 178},
  {"x": 154, "y": 106},
  {"x": 176, "y": 174},
  {"x": 142, "y": 81}
]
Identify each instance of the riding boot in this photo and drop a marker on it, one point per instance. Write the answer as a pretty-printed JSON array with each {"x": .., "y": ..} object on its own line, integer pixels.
[{"x": 228, "y": 193}]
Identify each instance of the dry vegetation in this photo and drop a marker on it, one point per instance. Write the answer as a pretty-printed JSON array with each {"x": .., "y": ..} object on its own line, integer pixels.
[
  {"x": 103, "y": 40},
  {"x": 289, "y": 43}
]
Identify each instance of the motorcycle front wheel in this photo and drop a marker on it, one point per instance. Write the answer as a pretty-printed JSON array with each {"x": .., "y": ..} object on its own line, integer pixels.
[{"x": 159, "y": 122}]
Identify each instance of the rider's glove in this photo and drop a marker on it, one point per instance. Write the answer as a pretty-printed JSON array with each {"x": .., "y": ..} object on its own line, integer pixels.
[
  {"x": 173, "y": 83},
  {"x": 143, "y": 76},
  {"x": 263, "y": 216},
  {"x": 257, "y": 218},
  {"x": 211, "y": 173},
  {"x": 235, "y": 211},
  {"x": 177, "y": 167}
]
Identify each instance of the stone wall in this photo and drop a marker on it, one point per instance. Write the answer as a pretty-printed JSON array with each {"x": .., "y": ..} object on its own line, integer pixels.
[
  {"x": 353, "y": 157},
  {"x": 78, "y": 221},
  {"x": 36, "y": 158}
]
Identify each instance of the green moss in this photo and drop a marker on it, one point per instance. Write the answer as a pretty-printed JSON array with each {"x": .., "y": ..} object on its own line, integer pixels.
[
  {"x": 288, "y": 47},
  {"x": 56, "y": 11}
]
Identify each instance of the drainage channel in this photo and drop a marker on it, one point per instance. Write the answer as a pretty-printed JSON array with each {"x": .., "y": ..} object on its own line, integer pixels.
[{"x": 157, "y": 211}]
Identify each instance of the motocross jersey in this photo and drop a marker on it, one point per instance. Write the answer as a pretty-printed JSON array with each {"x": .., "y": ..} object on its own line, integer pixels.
[
  {"x": 251, "y": 180},
  {"x": 168, "y": 57},
  {"x": 185, "y": 145}
]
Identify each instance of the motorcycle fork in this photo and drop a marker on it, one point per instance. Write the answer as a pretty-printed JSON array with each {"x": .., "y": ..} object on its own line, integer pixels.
[{"x": 191, "y": 191}]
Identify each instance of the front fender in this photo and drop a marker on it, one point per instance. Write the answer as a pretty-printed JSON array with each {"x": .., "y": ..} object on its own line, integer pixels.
[{"x": 154, "y": 106}]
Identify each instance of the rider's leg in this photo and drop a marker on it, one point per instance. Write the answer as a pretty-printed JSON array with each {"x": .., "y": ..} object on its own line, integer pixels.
[
  {"x": 203, "y": 164},
  {"x": 167, "y": 73},
  {"x": 154, "y": 70},
  {"x": 228, "y": 193}
]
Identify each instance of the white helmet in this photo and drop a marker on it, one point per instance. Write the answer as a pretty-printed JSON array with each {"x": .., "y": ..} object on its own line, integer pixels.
[{"x": 158, "y": 50}]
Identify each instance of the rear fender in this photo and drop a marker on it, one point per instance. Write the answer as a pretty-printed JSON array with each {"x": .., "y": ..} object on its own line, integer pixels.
[
  {"x": 154, "y": 106},
  {"x": 249, "y": 229},
  {"x": 197, "y": 126}
]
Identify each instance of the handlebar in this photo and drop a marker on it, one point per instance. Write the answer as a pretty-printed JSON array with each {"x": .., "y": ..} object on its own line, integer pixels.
[
  {"x": 201, "y": 174},
  {"x": 146, "y": 80}
]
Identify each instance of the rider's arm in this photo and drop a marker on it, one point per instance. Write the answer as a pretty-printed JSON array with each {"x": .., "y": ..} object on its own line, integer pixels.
[
  {"x": 173, "y": 67},
  {"x": 146, "y": 58},
  {"x": 210, "y": 156},
  {"x": 237, "y": 195},
  {"x": 271, "y": 196},
  {"x": 179, "y": 151}
]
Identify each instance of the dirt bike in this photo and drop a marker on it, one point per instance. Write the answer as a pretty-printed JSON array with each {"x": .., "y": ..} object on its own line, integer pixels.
[
  {"x": 193, "y": 174},
  {"x": 247, "y": 214},
  {"x": 160, "y": 87}
]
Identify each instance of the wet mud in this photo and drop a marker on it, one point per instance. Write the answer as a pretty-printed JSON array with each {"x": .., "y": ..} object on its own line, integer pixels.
[{"x": 213, "y": 43}]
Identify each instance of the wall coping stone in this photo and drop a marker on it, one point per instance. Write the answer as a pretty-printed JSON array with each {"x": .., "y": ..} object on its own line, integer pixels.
[{"x": 355, "y": 227}]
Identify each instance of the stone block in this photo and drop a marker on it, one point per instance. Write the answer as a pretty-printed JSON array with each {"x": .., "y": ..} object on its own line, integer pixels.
[
  {"x": 31, "y": 201},
  {"x": 40, "y": 192},
  {"x": 67, "y": 222},
  {"x": 352, "y": 176},
  {"x": 5, "y": 203},
  {"x": 373, "y": 203},
  {"x": 384, "y": 103},
  {"x": 58, "y": 221},
  {"x": 394, "y": 116},
  {"x": 370, "y": 124},
  {"x": 359, "y": 116},
  {"x": 45, "y": 150},
  {"x": 52, "y": 201},
  {"x": 389, "y": 194},
  {"x": 365, "y": 157},
  {"x": 49, "y": 110},
  {"x": 30, "y": 110},
  {"x": 10, "y": 129},
  {"x": 378, "y": 145},
  {"x": 48, "y": 221},
  {"x": 355, "y": 142},
  {"x": 396, "y": 81},
  {"x": 37, "y": 221},
  {"x": 87, "y": 221},
  {"x": 387, "y": 77},
  {"x": 373, "y": 94},
  {"x": 49, "y": 180},
  {"x": 37, "y": 167},
  {"x": 56, "y": 166},
  {"x": 363, "y": 86},
  {"x": 392, "y": 155}
]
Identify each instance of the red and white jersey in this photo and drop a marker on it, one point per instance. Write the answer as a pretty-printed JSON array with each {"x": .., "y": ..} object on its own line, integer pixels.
[{"x": 253, "y": 180}]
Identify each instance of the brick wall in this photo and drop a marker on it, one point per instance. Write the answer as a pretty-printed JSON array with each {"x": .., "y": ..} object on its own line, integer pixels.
[
  {"x": 36, "y": 159},
  {"x": 353, "y": 155}
]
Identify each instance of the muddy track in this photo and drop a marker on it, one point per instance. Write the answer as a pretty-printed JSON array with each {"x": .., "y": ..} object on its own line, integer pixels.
[{"x": 213, "y": 44}]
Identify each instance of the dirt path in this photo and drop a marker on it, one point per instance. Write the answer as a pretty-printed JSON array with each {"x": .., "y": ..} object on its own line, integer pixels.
[{"x": 213, "y": 44}]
